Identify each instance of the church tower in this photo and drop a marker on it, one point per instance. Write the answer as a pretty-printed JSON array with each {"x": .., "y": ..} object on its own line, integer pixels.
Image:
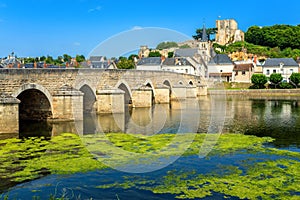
[{"x": 205, "y": 46}]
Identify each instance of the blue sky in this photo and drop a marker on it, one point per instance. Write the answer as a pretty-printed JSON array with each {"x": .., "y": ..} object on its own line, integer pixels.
[{"x": 54, "y": 27}]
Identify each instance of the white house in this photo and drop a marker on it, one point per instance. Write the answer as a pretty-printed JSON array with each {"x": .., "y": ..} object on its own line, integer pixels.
[
  {"x": 179, "y": 65},
  {"x": 150, "y": 63},
  {"x": 220, "y": 67},
  {"x": 283, "y": 66}
]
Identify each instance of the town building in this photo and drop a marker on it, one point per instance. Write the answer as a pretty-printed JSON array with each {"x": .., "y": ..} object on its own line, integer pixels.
[
  {"x": 220, "y": 68},
  {"x": 283, "y": 66},
  {"x": 242, "y": 72},
  {"x": 149, "y": 63},
  {"x": 100, "y": 62},
  {"x": 180, "y": 65}
]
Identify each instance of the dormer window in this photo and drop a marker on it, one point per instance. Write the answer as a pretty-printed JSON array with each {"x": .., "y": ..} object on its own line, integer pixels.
[{"x": 281, "y": 65}]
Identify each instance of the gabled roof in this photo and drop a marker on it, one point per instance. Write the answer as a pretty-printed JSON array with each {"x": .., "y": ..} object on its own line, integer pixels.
[
  {"x": 150, "y": 61},
  {"x": 177, "y": 62},
  {"x": 271, "y": 62},
  {"x": 96, "y": 58},
  {"x": 221, "y": 59},
  {"x": 101, "y": 65},
  {"x": 190, "y": 52},
  {"x": 243, "y": 67}
]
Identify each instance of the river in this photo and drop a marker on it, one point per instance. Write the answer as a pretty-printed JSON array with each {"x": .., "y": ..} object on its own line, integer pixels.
[{"x": 278, "y": 118}]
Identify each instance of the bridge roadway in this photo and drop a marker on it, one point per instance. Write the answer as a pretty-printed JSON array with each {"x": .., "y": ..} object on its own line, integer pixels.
[{"x": 64, "y": 94}]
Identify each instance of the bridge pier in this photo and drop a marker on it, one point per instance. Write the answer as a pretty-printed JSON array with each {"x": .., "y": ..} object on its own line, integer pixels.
[
  {"x": 142, "y": 97},
  {"x": 178, "y": 92},
  {"x": 9, "y": 114},
  {"x": 191, "y": 91},
  {"x": 162, "y": 94},
  {"x": 110, "y": 101},
  {"x": 202, "y": 90},
  {"x": 67, "y": 104}
]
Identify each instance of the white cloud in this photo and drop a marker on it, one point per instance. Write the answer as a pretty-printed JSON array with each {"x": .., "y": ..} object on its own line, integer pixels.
[
  {"x": 137, "y": 28},
  {"x": 76, "y": 44},
  {"x": 98, "y": 8}
]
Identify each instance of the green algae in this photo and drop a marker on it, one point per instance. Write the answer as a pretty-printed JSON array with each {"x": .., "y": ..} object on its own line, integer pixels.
[
  {"x": 23, "y": 160},
  {"x": 32, "y": 158}
]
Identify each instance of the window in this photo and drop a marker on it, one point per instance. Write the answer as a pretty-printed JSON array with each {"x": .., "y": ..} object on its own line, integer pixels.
[
  {"x": 221, "y": 71},
  {"x": 268, "y": 72},
  {"x": 244, "y": 73},
  {"x": 291, "y": 71},
  {"x": 274, "y": 70}
]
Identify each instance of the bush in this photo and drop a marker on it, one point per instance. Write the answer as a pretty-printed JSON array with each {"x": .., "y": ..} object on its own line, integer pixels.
[
  {"x": 284, "y": 85},
  {"x": 259, "y": 80}
]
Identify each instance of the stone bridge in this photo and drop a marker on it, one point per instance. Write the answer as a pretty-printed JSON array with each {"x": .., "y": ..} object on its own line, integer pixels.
[{"x": 64, "y": 94}]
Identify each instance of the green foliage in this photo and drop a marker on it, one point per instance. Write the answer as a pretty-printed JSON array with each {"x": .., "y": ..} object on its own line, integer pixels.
[
  {"x": 259, "y": 81},
  {"x": 80, "y": 58},
  {"x": 166, "y": 45},
  {"x": 185, "y": 46},
  {"x": 124, "y": 63},
  {"x": 259, "y": 50},
  {"x": 284, "y": 85},
  {"x": 49, "y": 60},
  {"x": 282, "y": 36},
  {"x": 276, "y": 78},
  {"x": 209, "y": 31},
  {"x": 132, "y": 56},
  {"x": 295, "y": 79},
  {"x": 170, "y": 54},
  {"x": 67, "y": 58},
  {"x": 154, "y": 54}
]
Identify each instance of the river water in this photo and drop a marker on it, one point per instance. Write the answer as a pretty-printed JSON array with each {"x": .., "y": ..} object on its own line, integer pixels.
[{"x": 275, "y": 117}]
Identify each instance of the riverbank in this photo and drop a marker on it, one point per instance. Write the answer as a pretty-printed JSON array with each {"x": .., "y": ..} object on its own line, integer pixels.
[{"x": 258, "y": 92}]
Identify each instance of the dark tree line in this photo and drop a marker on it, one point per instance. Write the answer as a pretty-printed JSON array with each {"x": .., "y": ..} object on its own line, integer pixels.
[{"x": 282, "y": 36}]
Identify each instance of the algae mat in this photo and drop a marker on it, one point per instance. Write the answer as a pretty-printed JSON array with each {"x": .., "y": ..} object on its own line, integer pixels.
[{"x": 262, "y": 173}]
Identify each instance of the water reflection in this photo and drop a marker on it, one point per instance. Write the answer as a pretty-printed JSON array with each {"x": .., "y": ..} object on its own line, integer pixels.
[{"x": 278, "y": 118}]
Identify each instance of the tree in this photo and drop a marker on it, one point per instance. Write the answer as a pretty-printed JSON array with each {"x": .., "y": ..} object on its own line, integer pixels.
[
  {"x": 295, "y": 79},
  {"x": 154, "y": 54},
  {"x": 281, "y": 36},
  {"x": 49, "y": 60},
  {"x": 209, "y": 31},
  {"x": 132, "y": 56},
  {"x": 167, "y": 45},
  {"x": 170, "y": 54},
  {"x": 259, "y": 81},
  {"x": 67, "y": 58},
  {"x": 80, "y": 58},
  {"x": 124, "y": 63},
  {"x": 276, "y": 78}
]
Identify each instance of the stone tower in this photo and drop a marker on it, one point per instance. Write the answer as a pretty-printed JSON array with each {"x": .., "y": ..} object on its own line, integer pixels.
[
  {"x": 228, "y": 32},
  {"x": 205, "y": 46}
]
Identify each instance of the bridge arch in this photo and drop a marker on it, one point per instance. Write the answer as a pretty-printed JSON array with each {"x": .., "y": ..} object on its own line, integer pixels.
[
  {"x": 122, "y": 85},
  {"x": 36, "y": 102},
  {"x": 150, "y": 85},
  {"x": 89, "y": 98}
]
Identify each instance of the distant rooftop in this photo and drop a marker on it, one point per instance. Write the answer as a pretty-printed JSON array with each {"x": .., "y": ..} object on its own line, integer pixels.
[
  {"x": 176, "y": 62},
  {"x": 221, "y": 59},
  {"x": 277, "y": 61},
  {"x": 150, "y": 61},
  {"x": 186, "y": 52}
]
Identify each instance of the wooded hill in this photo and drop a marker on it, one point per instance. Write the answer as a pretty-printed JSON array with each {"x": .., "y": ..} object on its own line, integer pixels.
[{"x": 270, "y": 41}]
